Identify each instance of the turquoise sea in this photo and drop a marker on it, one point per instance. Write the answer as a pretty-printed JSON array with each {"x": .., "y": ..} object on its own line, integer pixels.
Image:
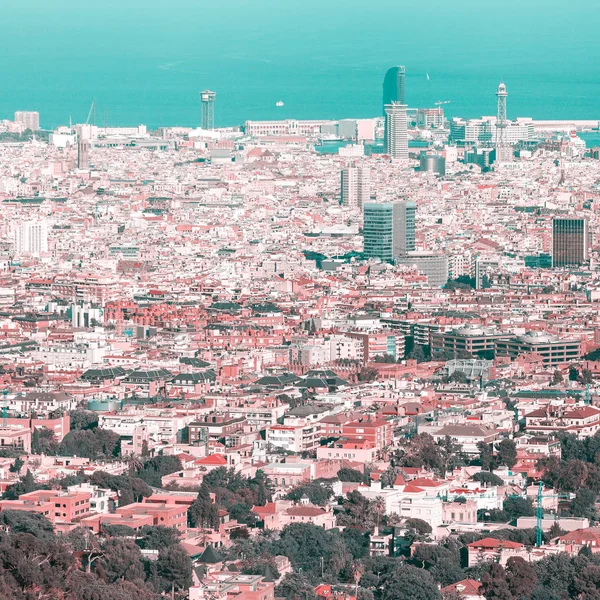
[{"x": 144, "y": 61}]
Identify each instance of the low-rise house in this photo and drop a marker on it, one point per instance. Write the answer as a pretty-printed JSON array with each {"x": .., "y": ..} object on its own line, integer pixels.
[
  {"x": 466, "y": 589},
  {"x": 582, "y": 421},
  {"x": 491, "y": 549},
  {"x": 574, "y": 541}
]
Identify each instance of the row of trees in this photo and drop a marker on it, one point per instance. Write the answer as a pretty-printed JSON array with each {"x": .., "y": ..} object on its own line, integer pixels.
[
  {"x": 35, "y": 563},
  {"x": 342, "y": 558}
]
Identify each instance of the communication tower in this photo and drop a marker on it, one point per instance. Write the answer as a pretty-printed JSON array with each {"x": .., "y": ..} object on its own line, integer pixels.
[{"x": 503, "y": 149}]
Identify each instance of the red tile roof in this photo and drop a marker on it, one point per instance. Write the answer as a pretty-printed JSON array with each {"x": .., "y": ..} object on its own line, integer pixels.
[{"x": 494, "y": 543}]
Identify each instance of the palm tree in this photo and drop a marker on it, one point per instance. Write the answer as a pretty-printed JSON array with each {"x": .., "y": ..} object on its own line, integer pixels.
[{"x": 134, "y": 462}]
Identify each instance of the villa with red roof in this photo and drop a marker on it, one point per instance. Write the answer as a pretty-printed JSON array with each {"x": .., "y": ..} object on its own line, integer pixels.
[{"x": 491, "y": 549}]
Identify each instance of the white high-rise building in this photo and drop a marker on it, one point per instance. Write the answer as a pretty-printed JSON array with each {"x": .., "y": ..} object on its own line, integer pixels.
[
  {"x": 355, "y": 186},
  {"x": 29, "y": 119},
  {"x": 31, "y": 237},
  {"x": 396, "y": 128}
]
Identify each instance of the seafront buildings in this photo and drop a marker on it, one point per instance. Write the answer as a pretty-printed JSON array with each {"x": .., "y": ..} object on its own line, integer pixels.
[{"x": 28, "y": 119}]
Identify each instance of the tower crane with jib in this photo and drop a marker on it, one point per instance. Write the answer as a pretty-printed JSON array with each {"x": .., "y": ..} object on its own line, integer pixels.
[
  {"x": 439, "y": 105},
  {"x": 92, "y": 113},
  {"x": 539, "y": 512}
]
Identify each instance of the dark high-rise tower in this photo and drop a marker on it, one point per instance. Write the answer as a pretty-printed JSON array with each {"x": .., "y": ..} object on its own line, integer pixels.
[
  {"x": 569, "y": 241},
  {"x": 393, "y": 86}
]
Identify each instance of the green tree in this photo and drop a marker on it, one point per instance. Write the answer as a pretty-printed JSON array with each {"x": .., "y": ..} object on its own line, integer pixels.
[
  {"x": 486, "y": 455},
  {"x": 154, "y": 469},
  {"x": 557, "y": 378},
  {"x": 367, "y": 374},
  {"x": 25, "y": 485},
  {"x": 584, "y": 504},
  {"x": 129, "y": 489},
  {"x": 409, "y": 583},
  {"x": 571, "y": 475},
  {"x": 585, "y": 377},
  {"x": 418, "y": 353},
  {"x": 487, "y": 478},
  {"x": 174, "y": 566},
  {"x": 357, "y": 541},
  {"x": 319, "y": 492},
  {"x": 494, "y": 584},
  {"x": 353, "y": 475},
  {"x": 43, "y": 441},
  {"x": 91, "y": 443},
  {"x": 516, "y": 507},
  {"x": 203, "y": 512},
  {"x": 118, "y": 530},
  {"x": 521, "y": 577},
  {"x": 295, "y": 587},
  {"x": 304, "y": 544},
  {"x": 420, "y": 527},
  {"x": 121, "y": 559},
  {"x": 507, "y": 453},
  {"x": 20, "y": 521},
  {"x": 83, "y": 419},
  {"x": 17, "y": 465}
]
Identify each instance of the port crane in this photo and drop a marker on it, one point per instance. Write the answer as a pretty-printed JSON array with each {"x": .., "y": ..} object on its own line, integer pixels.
[
  {"x": 439, "y": 105},
  {"x": 92, "y": 112}
]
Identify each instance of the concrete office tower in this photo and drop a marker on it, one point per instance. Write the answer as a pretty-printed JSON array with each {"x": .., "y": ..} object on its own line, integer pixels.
[
  {"x": 29, "y": 119},
  {"x": 396, "y": 131},
  {"x": 389, "y": 229},
  {"x": 393, "y": 86},
  {"x": 433, "y": 265},
  {"x": 570, "y": 241},
  {"x": 355, "y": 188},
  {"x": 503, "y": 148},
  {"x": 83, "y": 154},
  {"x": 30, "y": 237},
  {"x": 207, "y": 99}
]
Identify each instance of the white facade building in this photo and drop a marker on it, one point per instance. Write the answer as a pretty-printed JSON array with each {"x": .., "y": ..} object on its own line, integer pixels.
[
  {"x": 396, "y": 143},
  {"x": 30, "y": 237},
  {"x": 355, "y": 186},
  {"x": 29, "y": 119}
]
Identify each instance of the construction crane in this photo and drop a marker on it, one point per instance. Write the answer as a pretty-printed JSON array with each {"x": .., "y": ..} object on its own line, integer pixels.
[
  {"x": 539, "y": 512},
  {"x": 92, "y": 112},
  {"x": 439, "y": 105}
]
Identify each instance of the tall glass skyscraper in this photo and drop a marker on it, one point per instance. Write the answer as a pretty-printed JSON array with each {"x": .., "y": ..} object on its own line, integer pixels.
[
  {"x": 393, "y": 86},
  {"x": 389, "y": 229},
  {"x": 393, "y": 94}
]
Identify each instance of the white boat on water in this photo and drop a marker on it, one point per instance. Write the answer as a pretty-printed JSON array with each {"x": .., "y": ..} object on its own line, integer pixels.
[{"x": 280, "y": 103}]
